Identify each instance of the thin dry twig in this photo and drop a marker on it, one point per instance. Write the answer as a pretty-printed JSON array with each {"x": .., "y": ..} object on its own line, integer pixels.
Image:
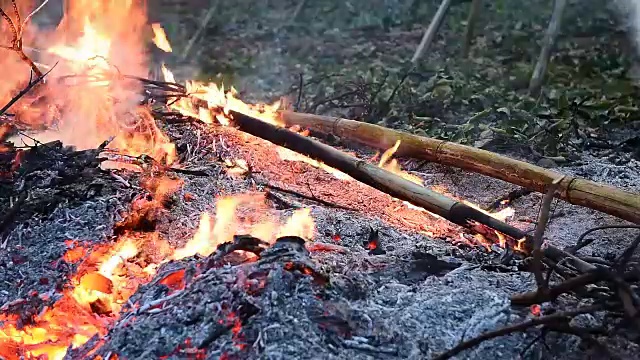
[
  {"x": 581, "y": 242},
  {"x": 559, "y": 317},
  {"x": 543, "y": 219},
  {"x": 623, "y": 259},
  {"x": 35, "y": 11},
  {"x": 16, "y": 42},
  {"x": 307, "y": 197},
  {"x": 537, "y": 297},
  {"x": 508, "y": 198},
  {"x": 24, "y": 91}
]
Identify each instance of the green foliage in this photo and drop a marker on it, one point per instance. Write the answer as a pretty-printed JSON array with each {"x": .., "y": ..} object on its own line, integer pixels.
[{"x": 353, "y": 57}]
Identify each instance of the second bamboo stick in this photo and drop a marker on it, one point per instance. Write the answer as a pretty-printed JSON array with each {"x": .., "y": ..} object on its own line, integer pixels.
[{"x": 578, "y": 191}]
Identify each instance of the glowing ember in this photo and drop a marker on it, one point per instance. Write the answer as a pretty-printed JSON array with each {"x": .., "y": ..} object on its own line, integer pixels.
[
  {"x": 101, "y": 286},
  {"x": 289, "y": 155},
  {"x": 536, "y": 310},
  {"x": 75, "y": 253}
]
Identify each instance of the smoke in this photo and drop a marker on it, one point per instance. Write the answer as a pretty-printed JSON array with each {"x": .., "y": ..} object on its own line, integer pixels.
[{"x": 629, "y": 13}]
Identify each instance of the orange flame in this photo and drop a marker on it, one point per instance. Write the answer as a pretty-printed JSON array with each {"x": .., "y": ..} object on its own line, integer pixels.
[
  {"x": 102, "y": 285},
  {"x": 95, "y": 44},
  {"x": 216, "y": 103},
  {"x": 229, "y": 222},
  {"x": 388, "y": 163}
]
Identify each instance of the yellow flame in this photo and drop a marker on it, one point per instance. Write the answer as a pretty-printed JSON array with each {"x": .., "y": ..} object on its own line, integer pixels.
[
  {"x": 227, "y": 223},
  {"x": 388, "y": 163},
  {"x": 160, "y": 38},
  {"x": 219, "y": 103}
]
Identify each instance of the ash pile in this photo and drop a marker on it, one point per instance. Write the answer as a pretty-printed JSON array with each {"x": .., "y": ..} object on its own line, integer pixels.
[
  {"x": 188, "y": 224},
  {"x": 364, "y": 287}
]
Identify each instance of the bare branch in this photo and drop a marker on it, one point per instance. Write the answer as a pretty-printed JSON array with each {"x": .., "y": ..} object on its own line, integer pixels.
[
  {"x": 11, "y": 25},
  {"x": 26, "y": 20},
  {"x": 17, "y": 15},
  {"x": 543, "y": 219},
  {"x": 559, "y": 317},
  {"x": 16, "y": 42}
]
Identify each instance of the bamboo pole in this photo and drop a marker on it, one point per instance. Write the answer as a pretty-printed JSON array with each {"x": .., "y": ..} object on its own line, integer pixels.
[
  {"x": 376, "y": 177},
  {"x": 396, "y": 186},
  {"x": 535, "y": 84},
  {"x": 431, "y": 31},
  {"x": 578, "y": 191}
]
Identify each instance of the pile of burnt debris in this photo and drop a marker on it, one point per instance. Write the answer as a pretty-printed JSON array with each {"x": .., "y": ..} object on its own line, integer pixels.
[
  {"x": 365, "y": 287},
  {"x": 209, "y": 228}
]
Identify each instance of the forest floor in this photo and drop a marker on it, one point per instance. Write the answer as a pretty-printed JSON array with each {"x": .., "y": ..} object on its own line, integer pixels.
[
  {"x": 427, "y": 290},
  {"x": 350, "y": 57}
]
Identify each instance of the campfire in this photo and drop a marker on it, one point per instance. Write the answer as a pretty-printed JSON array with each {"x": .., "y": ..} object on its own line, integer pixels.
[{"x": 90, "y": 90}]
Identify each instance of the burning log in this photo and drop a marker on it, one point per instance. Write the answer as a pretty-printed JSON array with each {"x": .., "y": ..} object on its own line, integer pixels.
[
  {"x": 378, "y": 178},
  {"x": 400, "y": 188},
  {"x": 601, "y": 197}
]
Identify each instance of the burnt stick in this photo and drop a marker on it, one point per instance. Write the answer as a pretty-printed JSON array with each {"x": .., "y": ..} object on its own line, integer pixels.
[
  {"x": 389, "y": 183},
  {"x": 376, "y": 177},
  {"x": 557, "y": 318},
  {"x": 567, "y": 286}
]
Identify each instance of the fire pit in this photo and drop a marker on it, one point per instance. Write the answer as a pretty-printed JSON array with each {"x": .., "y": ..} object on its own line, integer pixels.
[{"x": 149, "y": 219}]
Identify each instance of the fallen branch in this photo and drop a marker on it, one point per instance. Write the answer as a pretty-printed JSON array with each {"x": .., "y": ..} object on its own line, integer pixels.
[
  {"x": 552, "y": 293},
  {"x": 581, "y": 242},
  {"x": 376, "y": 177},
  {"x": 306, "y": 197},
  {"x": 508, "y": 198},
  {"x": 16, "y": 42},
  {"x": 605, "y": 198},
  {"x": 396, "y": 186}
]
